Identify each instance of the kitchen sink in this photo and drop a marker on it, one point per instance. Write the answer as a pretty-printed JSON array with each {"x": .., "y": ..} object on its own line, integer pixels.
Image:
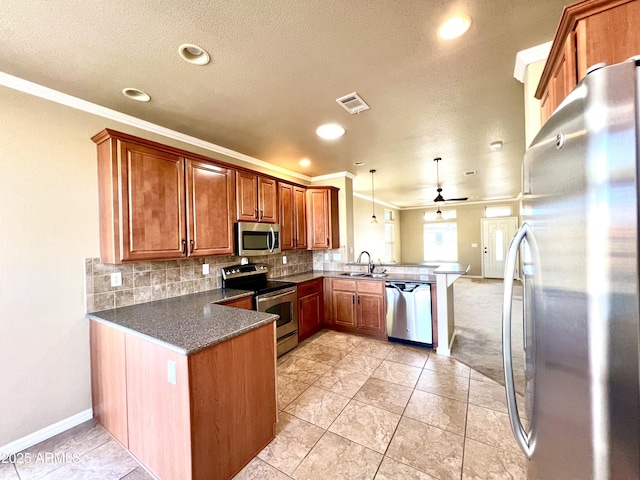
[{"x": 361, "y": 274}]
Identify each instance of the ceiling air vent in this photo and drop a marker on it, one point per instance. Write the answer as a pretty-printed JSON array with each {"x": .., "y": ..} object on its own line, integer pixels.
[
  {"x": 470, "y": 172},
  {"x": 352, "y": 103}
]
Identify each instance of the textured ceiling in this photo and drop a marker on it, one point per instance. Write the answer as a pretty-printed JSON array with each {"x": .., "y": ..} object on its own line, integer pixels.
[{"x": 278, "y": 66}]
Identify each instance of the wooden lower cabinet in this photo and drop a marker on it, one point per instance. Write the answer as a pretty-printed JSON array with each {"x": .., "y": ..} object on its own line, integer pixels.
[
  {"x": 184, "y": 417},
  {"x": 310, "y": 308},
  {"x": 245, "y": 302},
  {"x": 358, "y": 306}
]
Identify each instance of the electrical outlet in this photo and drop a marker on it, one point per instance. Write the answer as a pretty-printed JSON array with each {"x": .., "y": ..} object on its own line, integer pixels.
[
  {"x": 337, "y": 257},
  {"x": 284, "y": 259},
  {"x": 474, "y": 245},
  {"x": 172, "y": 375},
  {"x": 205, "y": 269},
  {"x": 116, "y": 279},
  {"x": 326, "y": 257}
]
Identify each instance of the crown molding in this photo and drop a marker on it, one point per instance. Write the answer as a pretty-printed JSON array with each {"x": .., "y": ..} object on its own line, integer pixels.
[
  {"x": 526, "y": 57},
  {"x": 52, "y": 95},
  {"x": 379, "y": 202},
  {"x": 330, "y": 176}
]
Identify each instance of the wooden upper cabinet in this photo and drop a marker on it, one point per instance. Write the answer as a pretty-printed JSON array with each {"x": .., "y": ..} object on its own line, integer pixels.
[
  {"x": 322, "y": 218},
  {"x": 293, "y": 226},
  {"x": 590, "y": 32},
  {"x": 156, "y": 204},
  {"x": 209, "y": 191},
  {"x": 146, "y": 220},
  {"x": 256, "y": 198}
]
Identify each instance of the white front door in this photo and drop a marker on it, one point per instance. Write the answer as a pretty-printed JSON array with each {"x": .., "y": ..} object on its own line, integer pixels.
[{"x": 496, "y": 236}]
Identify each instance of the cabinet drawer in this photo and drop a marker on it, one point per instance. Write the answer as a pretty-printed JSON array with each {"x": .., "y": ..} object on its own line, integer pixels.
[
  {"x": 347, "y": 285},
  {"x": 313, "y": 286},
  {"x": 370, "y": 286}
]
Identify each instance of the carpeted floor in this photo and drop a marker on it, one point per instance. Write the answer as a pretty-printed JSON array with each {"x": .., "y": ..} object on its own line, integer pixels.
[{"x": 478, "y": 323}]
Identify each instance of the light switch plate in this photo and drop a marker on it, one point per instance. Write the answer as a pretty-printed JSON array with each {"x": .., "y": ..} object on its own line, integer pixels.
[
  {"x": 205, "y": 269},
  {"x": 171, "y": 372},
  {"x": 116, "y": 279},
  {"x": 326, "y": 257},
  {"x": 284, "y": 259},
  {"x": 337, "y": 257},
  {"x": 474, "y": 245}
]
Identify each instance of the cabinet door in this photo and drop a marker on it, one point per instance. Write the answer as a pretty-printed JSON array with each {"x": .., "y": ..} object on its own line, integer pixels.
[
  {"x": 371, "y": 312},
  {"x": 267, "y": 200},
  {"x": 309, "y": 315},
  {"x": 344, "y": 308},
  {"x": 610, "y": 36},
  {"x": 209, "y": 209},
  {"x": 318, "y": 218},
  {"x": 246, "y": 197},
  {"x": 152, "y": 214},
  {"x": 287, "y": 233},
  {"x": 299, "y": 217}
]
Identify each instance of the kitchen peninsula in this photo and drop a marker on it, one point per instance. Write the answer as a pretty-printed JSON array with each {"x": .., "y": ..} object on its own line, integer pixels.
[{"x": 186, "y": 384}]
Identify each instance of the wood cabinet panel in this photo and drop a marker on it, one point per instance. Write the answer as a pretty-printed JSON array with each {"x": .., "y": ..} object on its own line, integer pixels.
[
  {"x": 233, "y": 401},
  {"x": 327, "y": 286},
  {"x": 589, "y": 32},
  {"x": 109, "y": 380},
  {"x": 371, "y": 312},
  {"x": 293, "y": 228},
  {"x": 209, "y": 191},
  {"x": 246, "y": 197},
  {"x": 310, "y": 308},
  {"x": 267, "y": 200},
  {"x": 322, "y": 218},
  {"x": 151, "y": 182},
  {"x": 244, "y": 302},
  {"x": 158, "y": 410},
  {"x": 344, "y": 309}
]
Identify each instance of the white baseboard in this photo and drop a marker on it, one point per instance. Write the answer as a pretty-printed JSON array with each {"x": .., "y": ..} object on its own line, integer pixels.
[{"x": 45, "y": 433}]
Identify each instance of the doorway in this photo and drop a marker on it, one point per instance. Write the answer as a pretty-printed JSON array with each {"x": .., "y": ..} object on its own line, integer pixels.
[{"x": 496, "y": 236}]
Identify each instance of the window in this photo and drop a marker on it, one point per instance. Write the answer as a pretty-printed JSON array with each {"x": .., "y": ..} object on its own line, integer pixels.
[
  {"x": 497, "y": 211},
  {"x": 440, "y": 242},
  {"x": 389, "y": 236}
]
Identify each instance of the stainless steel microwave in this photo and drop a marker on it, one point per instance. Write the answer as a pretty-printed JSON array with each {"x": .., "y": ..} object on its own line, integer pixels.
[{"x": 257, "y": 239}]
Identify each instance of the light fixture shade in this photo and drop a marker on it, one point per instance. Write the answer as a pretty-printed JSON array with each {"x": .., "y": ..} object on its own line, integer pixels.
[{"x": 374, "y": 220}]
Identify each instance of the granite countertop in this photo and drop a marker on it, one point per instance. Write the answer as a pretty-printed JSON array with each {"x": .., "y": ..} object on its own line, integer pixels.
[
  {"x": 189, "y": 323},
  {"x": 452, "y": 268},
  {"x": 391, "y": 277}
]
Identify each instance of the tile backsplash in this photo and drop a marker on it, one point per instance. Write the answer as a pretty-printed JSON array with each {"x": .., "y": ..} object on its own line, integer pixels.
[{"x": 146, "y": 281}]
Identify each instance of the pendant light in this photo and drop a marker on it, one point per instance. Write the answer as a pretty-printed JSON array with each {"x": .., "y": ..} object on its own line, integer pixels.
[
  {"x": 374, "y": 220},
  {"x": 439, "y": 214}
]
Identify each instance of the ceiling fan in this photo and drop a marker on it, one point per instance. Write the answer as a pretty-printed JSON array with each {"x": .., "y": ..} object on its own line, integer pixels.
[{"x": 439, "y": 198}]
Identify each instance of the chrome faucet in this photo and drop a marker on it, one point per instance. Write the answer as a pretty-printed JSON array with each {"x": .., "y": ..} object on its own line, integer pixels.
[{"x": 370, "y": 264}]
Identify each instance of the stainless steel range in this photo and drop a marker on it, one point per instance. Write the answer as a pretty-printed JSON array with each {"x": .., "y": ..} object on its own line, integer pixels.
[{"x": 272, "y": 296}]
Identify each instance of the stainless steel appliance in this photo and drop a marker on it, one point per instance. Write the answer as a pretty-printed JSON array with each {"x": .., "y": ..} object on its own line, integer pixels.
[
  {"x": 409, "y": 312},
  {"x": 579, "y": 240},
  {"x": 257, "y": 238},
  {"x": 272, "y": 296}
]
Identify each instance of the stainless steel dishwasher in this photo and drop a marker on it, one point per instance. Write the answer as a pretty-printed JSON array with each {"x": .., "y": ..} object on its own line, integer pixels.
[{"x": 409, "y": 312}]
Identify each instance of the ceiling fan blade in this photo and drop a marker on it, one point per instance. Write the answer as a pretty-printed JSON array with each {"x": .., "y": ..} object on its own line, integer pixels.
[{"x": 457, "y": 199}]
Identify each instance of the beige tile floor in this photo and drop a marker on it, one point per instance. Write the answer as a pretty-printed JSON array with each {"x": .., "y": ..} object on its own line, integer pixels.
[
  {"x": 349, "y": 408},
  {"x": 355, "y": 408}
]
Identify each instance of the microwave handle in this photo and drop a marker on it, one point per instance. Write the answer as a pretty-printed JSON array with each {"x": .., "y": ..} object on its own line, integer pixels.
[{"x": 272, "y": 236}]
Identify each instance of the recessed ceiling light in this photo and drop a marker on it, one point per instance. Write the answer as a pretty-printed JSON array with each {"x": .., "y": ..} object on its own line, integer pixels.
[
  {"x": 305, "y": 162},
  {"x": 135, "y": 94},
  {"x": 454, "y": 27},
  {"x": 193, "y": 54},
  {"x": 330, "y": 131},
  {"x": 495, "y": 146},
  {"x": 358, "y": 164}
]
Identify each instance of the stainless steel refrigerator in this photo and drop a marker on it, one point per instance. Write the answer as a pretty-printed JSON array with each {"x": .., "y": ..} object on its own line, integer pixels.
[{"x": 579, "y": 248}]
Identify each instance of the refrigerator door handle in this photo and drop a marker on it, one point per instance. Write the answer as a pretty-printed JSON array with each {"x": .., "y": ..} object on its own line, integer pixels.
[{"x": 522, "y": 438}]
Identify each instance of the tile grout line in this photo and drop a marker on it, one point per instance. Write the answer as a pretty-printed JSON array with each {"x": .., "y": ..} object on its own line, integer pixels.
[{"x": 466, "y": 424}]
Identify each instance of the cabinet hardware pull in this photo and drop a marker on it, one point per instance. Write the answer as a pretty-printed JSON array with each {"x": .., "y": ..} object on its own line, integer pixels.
[
  {"x": 192, "y": 245},
  {"x": 353, "y": 299},
  {"x": 358, "y": 299},
  {"x": 327, "y": 240},
  {"x": 184, "y": 247},
  {"x": 261, "y": 215}
]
